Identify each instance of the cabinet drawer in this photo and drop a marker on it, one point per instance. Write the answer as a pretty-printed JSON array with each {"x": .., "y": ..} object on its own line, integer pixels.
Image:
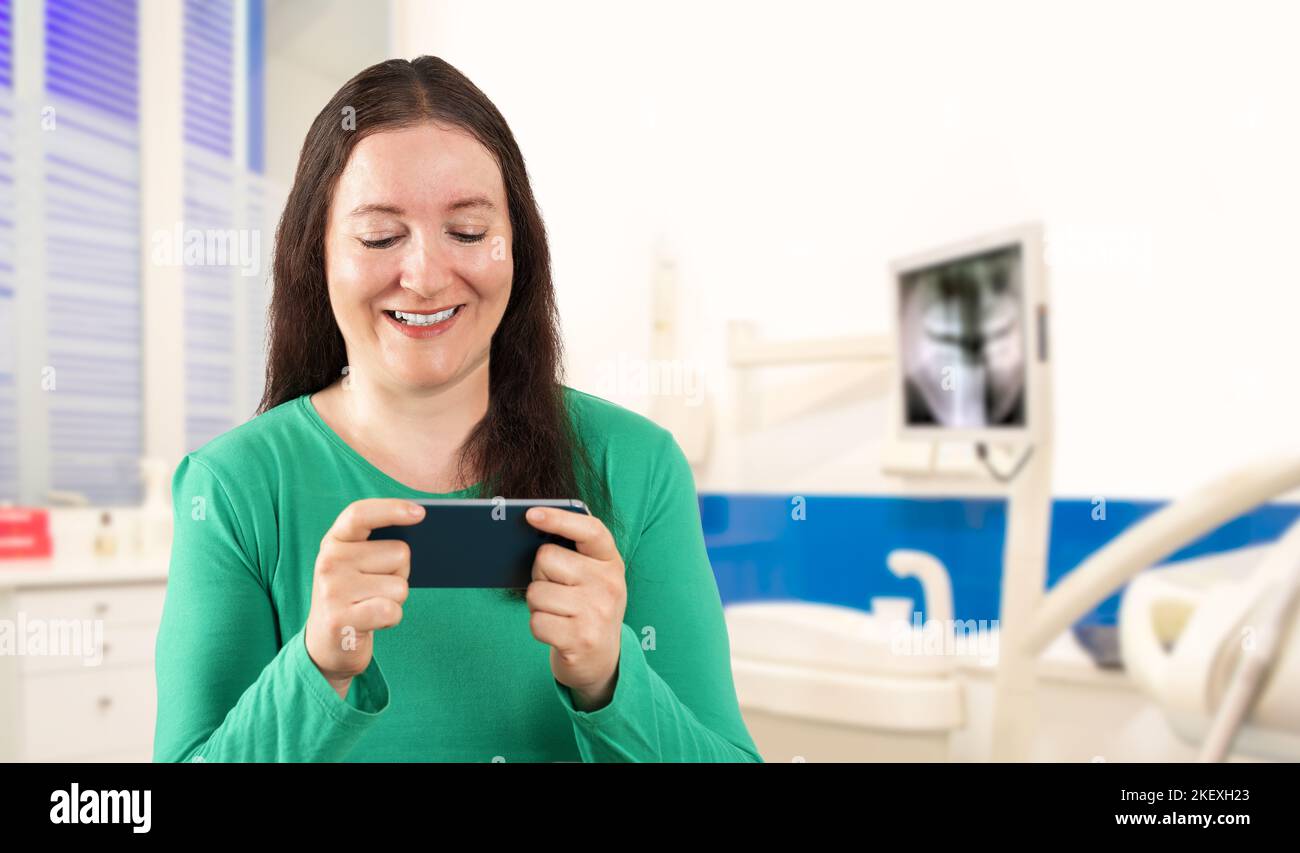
[
  {"x": 120, "y": 645},
  {"x": 132, "y": 603},
  {"x": 86, "y": 712}
]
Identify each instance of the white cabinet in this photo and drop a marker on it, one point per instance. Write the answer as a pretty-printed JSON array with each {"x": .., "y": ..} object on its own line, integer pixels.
[{"x": 77, "y": 668}]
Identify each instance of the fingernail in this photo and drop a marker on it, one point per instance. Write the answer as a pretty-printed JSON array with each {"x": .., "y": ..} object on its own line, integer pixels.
[
  {"x": 537, "y": 514},
  {"x": 415, "y": 510}
]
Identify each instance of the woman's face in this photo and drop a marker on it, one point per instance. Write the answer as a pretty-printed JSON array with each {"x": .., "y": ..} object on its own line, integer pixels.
[{"x": 418, "y": 226}]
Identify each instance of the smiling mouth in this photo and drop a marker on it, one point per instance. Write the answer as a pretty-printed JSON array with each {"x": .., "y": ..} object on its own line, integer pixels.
[{"x": 409, "y": 318}]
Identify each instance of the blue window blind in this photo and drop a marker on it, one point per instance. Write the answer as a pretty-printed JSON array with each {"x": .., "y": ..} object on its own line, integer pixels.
[
  {"x": 209, "y": 210},
  {"x": 209, "y": 66},
  {"x": 6, "y": 46},
  {"x": 8, "y": 318},
  {"x": 92, "y": 244}
]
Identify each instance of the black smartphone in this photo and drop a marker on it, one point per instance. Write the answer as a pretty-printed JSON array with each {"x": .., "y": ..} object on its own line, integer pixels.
[{"x": 476, "y": 542}]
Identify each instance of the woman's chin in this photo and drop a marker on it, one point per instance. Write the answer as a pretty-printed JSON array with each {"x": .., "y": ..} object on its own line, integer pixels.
[{"x": 422, "y": 378}]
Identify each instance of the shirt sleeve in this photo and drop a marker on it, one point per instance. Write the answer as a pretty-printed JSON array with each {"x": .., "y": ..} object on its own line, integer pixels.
[
  {"x": 674, "y": 697},
  {"x": 227, "y": 689}
]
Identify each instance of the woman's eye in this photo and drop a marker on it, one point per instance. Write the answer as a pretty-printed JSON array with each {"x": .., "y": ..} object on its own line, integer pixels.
[
  {"x": 379, "y": 244},
  {"x": 467, "y": 238}
]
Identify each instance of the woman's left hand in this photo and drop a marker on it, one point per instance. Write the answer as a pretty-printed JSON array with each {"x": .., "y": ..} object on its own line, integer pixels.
[{"x": 577, "y": 600}]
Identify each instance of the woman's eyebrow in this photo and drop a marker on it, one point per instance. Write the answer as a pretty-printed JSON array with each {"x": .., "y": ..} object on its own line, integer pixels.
[
  {"x": 458, "y": 204},
  {"x": 362, "y": 209},
  {"x": 472, "y": 201}
]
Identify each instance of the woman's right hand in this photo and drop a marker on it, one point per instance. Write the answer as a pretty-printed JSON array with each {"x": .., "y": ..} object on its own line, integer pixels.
[{"x": 359, "y": 587}]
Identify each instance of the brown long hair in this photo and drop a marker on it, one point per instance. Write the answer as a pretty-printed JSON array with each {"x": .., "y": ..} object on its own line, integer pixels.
[{"x": 526, "y": 445}]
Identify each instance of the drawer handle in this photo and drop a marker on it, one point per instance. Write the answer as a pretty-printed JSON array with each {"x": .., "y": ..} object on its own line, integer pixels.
[
  {"x": 101, "y": 607},
  {"x": 105, "y": 702}
]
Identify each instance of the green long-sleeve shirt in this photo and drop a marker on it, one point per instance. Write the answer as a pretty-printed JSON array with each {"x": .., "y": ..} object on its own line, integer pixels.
[{"x": 460, "y": 678}]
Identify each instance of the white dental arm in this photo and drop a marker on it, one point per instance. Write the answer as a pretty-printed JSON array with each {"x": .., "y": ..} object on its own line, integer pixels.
[{"x": 1155, "y": 538}]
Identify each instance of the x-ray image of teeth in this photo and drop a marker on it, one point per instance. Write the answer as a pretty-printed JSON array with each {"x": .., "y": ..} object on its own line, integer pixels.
[{"x": 963, "y": 344}]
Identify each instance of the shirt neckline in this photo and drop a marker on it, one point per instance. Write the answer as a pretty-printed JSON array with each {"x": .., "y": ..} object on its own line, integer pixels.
[{"x": 309, "y": 411}]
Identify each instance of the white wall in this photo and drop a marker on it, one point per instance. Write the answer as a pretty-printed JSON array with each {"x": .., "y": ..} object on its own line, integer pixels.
[
  {"x": 312, "y": 48},
  {"x": 785, "y": 153}
]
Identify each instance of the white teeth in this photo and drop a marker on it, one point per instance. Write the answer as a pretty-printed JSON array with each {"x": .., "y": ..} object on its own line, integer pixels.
[{"x": 424, "y": 319}]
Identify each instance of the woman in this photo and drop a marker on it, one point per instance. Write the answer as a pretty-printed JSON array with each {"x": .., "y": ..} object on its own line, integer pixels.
[{"x": 414, "y": 353}]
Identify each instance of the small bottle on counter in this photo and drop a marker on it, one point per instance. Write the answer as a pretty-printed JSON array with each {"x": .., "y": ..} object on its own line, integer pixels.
[
  {"x": 153, "y": 527},
  {"x": 105, "y": 536}
]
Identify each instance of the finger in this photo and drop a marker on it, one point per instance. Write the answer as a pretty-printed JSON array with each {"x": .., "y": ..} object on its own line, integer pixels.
[
  {"x": 344, "y": 589},
  {"x": 553, "y": 630},
  {"x": 374, "y": 614},
  {"x": 554, "y": 598},
  {"x": 378, "y": 557},
  {"x": 588, "y": 533},
  {"x": 384, "y": 557},
  {"x": 378, "y": 586},
  {"x": 558, "y": 564},
  {"x": 356, "y": 522}
]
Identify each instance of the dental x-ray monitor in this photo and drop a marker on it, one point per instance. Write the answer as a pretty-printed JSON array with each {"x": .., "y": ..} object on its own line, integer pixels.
[{"x": 971, "y": 340}]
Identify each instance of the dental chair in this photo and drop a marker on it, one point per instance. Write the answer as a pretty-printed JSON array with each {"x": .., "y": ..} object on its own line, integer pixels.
[{"x": 821, "y": 682}]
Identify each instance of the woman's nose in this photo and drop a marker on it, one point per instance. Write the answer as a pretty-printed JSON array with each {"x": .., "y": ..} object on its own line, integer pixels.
[{"x": 426, "y": 269}]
